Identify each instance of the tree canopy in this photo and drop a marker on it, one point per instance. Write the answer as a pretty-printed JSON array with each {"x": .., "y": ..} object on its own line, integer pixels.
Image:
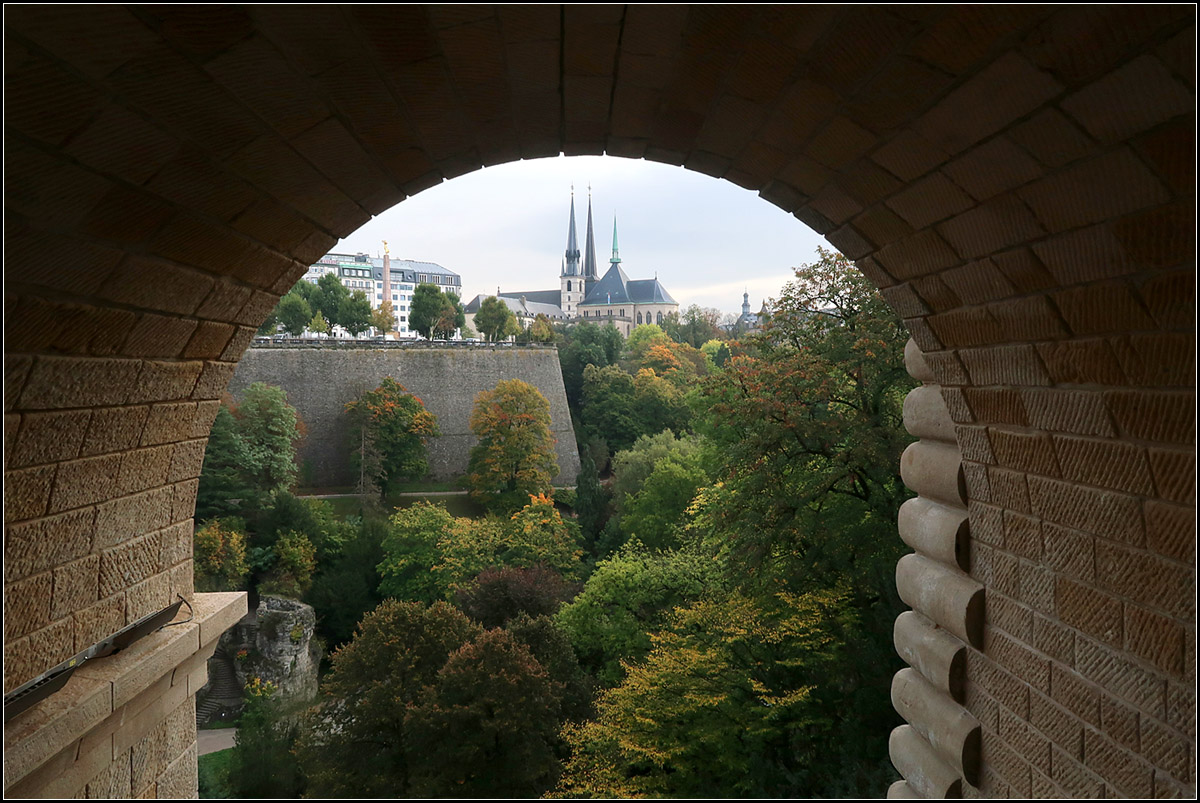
[
  {"x": 390, "y": 431},
  {"x": 495, "y": 321},
  {"x": 515, "y": 455}
]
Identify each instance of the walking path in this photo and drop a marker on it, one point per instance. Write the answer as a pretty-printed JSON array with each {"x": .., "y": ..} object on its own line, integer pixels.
[{"x": 210, "y": 741}]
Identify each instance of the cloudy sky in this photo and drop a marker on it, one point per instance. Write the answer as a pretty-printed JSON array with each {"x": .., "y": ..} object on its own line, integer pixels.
[{"x": 707, "y": 240}]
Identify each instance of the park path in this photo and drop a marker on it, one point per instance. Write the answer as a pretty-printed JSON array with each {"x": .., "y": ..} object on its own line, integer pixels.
[{"x": 210, "y": 741}]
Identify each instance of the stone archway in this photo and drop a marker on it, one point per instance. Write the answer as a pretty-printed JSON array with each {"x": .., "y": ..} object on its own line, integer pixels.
[{"x": 1019, "y": 181}]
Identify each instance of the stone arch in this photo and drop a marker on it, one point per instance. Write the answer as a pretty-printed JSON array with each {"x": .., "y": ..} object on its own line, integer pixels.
[{"x": 1019, "y": 182}]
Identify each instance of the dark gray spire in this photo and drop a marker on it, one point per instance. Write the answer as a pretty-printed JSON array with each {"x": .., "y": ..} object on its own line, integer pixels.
[
  {"x": 589, "y": 248},
  {"x": 571, "y": 266}
]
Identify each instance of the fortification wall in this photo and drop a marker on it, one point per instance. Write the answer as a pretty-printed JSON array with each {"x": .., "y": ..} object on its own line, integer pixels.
[{"x": 320, "y": 381}]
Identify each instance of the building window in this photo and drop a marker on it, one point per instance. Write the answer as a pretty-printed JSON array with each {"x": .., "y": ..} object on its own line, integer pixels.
[
  {"x": 639, "y": 319},
  {"x": 660, "y": 316}
]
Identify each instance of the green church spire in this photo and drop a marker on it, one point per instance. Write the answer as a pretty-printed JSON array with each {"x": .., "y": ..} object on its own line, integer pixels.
[{"x": 616, "y": 255}]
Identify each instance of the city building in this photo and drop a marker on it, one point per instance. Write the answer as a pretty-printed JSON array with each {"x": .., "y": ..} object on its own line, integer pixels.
[
  {"x": 584, "y": 295},
  {"x": 381, "y": 277}
]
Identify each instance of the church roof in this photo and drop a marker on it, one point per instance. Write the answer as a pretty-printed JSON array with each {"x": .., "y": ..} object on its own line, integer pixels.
[
  {"x": 537, "y": 296},
  {"x": 649, "y": 291},
  {"x": 611, "y": 289}
]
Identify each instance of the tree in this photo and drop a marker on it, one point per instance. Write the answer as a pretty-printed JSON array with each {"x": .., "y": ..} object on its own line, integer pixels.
[
  {"x": 426, "y": 310},
  {"x": 392, "y": 425},
  {"x": 495, "y": 321},
  {"x": 489, "y": 725},
  {"x": 318, "y": 325},
  {"x": 219, "y": 555},
  {"x": 499, "y": 594},
  {"x": 452, "y": 317},
  {"x": 354, "y": 313},
  {"x": 540, "y": 330},
  {"x": 224, "y": 482},
  {"x": 811, "y": 414},
  {"x": 725, "y": 705},
  {"x": 292, "y": 571},
  {"x": 629, "y": 596},
  {"x": 515, "y": 456},
  {"x": 411, "y": 551},
  {"x": 384, "y": 318},
  {"x": 359, "y": 744},
  {"x": 262, "y": 764},
  {"x": 327, "y": 296},
  {"x": 294, "y": 314}
]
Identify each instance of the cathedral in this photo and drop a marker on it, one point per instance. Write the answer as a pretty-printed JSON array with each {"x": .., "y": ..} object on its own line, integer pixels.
[{"x": 584, "y": 295}]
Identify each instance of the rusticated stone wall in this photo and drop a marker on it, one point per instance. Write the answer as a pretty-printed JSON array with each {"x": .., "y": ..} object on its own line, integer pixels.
[
  {"x": 321, "y": 381},
  {"x": 1019, "y": 181}
]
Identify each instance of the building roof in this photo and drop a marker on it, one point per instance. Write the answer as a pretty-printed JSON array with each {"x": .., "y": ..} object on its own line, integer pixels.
[
  {"x": 403, "y": 270},
  {"x": 538, "y": 296},
  {"x": 528, "y": 309},
  {"x": 610, "y": 289}
]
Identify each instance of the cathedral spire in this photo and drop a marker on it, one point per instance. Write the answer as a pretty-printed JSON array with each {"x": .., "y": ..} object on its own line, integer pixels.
[
  {"x": 571, "y": 263},
  {"x": 616, "y": 255},
  {"x": 589, "y": 248}
]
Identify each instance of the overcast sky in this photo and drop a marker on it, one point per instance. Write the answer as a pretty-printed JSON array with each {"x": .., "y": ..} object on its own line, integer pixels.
[{"x": 707, "y": 240}]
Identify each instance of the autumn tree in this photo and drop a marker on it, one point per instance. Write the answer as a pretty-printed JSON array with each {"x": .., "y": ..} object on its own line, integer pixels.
[
  {"x": 540, "y": 331},
  {"x": 515, "y": 455},
  {"x": 499, "y": 594},
  {"x": 318, "y": 325},
  {"x": 219, "y": 557},
  {"x": 384, "y": 318},
  {"x": 390, "y": 431}
]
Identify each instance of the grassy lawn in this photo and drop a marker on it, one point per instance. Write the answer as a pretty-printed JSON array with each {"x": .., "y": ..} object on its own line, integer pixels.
[{"x": 213, "y": 771}]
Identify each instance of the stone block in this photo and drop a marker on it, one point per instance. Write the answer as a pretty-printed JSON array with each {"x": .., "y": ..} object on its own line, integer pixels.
[
  {"x": 1005, "y": 365},
  {"x": 1008, "y": 489},
  {"x": 1150, "y": 95},
  {"x": 144, "y": 468},
  {"x": 939, "y": 657},
  {"x": 213, "y": 381},
  {"x": 39, "y": 545},
  {"x": 1081, "y": 412},
  {"x": 148, "y": 283},
  {"x": 1156, "y": 638},
  {"x": 1128, "y": 774},
  {"x": 1027, "y": 742},
  {"x": 1003, "y": 761},
  {"x": 76, "y": 586},
  {"x": 948, "y": 598},
  {"x": 935, "y": 530},
  {"x": 1059, "y": 725},
  {"x": 978, "y": 282},
  {"x": 186, "y": 460},
  {"x": 58, "y": 382},
  {"x": 49, "y": 438},
  {"x": 130, "y": 516},
  {"x": 926, "y": 416},
  {"x": 183, "y": 499},
  {"x": 919, "y": 255},
  {"x": 1070, "y": 553},
  {"x": 1170, "y": 530},
  {"x": 929, "y": 200},
  {"x": 158, "y": 336},
  {"x": 1053, "y": 639},
  {"x": 1091, "y": 611},
  {"x": 1161, "y": 416},
  {"x": 1009, "y": 691},
  {"x": 1018, "y": 659},
  {"x": 970, "y": 326},
  {"x": 1078, "y": 195},
  {"x": 208, "y": 341},
  {"x": 114, "y": 429},
  {"x": 1023, "y": 451},
  {"x": 994, "y": 167},
  {"x": 934, "y": 470},
  {"x": 1166, "y": 749},
  {"x": 97, "y": 622},
  {"x": 115, "y": 781},
  {"x": 128, "y": 564},
  {"x": 922, "y": 767},
  {"x": 1142, "y": 577},
  {"x": 27, "y": 605},
  {"x": 179, "y": 779},
  {"x": 165, "y": 381},
  {"x": 169, "y": 423},
  {"x": 224, "y": 301},
  {"x": 26, "y": 658},
  {"x": 1116, "y": 674},
  {"x": 27, "y": 492},
  {"x": 915, "y": 364},
  {"x": 1022, "y": 535},
  {"x": 1109, "y": 464},
  {"x": 1107, "y": 513},
  {"x": 1102, "y": 309},
  {"x": 1070, "y": 774},
  {"x": 999, "y": 223},
  {"x": 148, "y": 596}
]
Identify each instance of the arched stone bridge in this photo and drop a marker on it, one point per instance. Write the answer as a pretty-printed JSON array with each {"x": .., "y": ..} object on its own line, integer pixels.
[{"x": 1019, "y": 181}]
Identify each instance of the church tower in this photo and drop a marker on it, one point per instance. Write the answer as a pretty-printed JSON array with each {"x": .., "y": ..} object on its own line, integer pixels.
[
  {"x": 589, "y": 253},
  {"x": 571, "y": 287}
]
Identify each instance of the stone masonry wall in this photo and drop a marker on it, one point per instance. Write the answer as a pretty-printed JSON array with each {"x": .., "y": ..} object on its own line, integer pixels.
[{"x": 320, "y": 381}]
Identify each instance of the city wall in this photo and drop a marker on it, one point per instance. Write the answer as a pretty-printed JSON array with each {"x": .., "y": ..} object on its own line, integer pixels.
[{"x": 320, "y": 380}]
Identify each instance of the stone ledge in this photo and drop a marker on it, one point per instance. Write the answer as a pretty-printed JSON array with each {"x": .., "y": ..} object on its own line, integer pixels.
[{"x": 102, "y": 686}]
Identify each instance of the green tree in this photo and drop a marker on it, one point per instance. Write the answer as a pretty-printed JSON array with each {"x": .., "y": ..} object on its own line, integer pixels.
[
  {"x": 224, "y": 482},
  {"x": 294, "y": 314},
  {"x": 495, "y": 321},
  {"x": 359, "y": 743},
  {"x": 411, "y": 551},
  {"x": 496, "y": 595},
  {"x": 515, "y": 455},
  {"x": 390, "y": 428},
  {"x": 540, "y": 331},
  {"x": 262, "y": 764},
  {"x": 292, "y": 571},
  {"x": 384, "y": 318},
  {"x": 346, "y": 584},
  {"x": 426, "y": 309},
  {"x": 452, "y": 317},
  {"x": 219, "y": 557},
  {"x": 655, "y": 514},
  {"x": 318, "y": 325},
  {"x": 629, "y": 596},
  {"x": 327, "y": 297},
  {"x": 354, "y": 313},
  {"x": 271, "y": 429}
]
